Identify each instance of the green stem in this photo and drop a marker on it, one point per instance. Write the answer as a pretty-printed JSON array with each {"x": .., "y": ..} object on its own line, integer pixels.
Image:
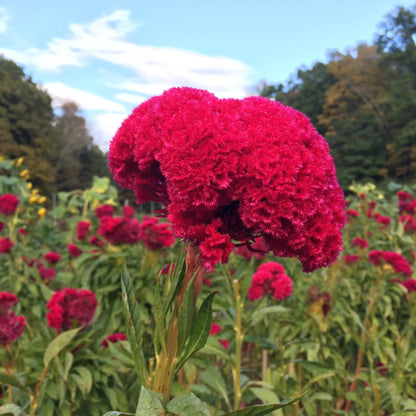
[
  {"x": 239, "y": 336},
  {"x": 282, "y": 356}
]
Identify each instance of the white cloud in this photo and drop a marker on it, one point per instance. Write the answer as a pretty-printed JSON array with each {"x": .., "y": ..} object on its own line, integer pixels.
[
  {"x": 4, "y": 19},
  {"x": 131, "y": 98},
  {"x": 104, "y": 126},
  {"x": 85, "y": 100}
]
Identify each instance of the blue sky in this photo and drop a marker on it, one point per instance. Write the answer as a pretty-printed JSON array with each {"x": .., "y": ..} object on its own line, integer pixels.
[{"x": 110, "y": 55}]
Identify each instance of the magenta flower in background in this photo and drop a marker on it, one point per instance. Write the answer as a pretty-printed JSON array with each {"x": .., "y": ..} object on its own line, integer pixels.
[
  {"x": 119, "y": 336},
  {"x": 351, "y": 258},
  {"x": 8, "y": 204},
  {"x": 270, "y": 279},
  {"x": 104, "y": 211},
  {"x": 409, "y": 223},
  {"x": 6, "y": 245},
  {"x": 119, "y": 230},
  {"x": 83, "y": 229},
  {"x": 215, "y": 328},
  {"x": 352, "y": 213},
  {"x": 398, "y": 261},
  {"x": 95, "y": 241},
  {"x": 128, "y": 211},
  {"x": 360, "y": 242},
  {"x": 52, "y": 257},
  {"x": 70, "y": 308},
  {"x": 232, "y": 170},
  {"x": 46, "y": 273},
  {"x": 155, "y": 234},
  {"x": 74, "y": 251},
  {"x": 11, "y": 326}
]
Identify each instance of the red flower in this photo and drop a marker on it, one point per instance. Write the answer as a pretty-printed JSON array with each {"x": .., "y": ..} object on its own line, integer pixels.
[
  {"x": 6, "y": 245},
  {"x": 155, "y": 235},
  {"x": 22, "y": 231},
  {"x": 74, "y": 250},
  {"x": 104, "y": 211},
  {"x": 382, "y": 220},
  {"x": 95, "y": 241},
  {"x": 270, "y": 279},
  {"x": 8, "y": 204},
  {"x": 225, "y": 343},
  {"x": 83, "y": 229},
  {"x": 119, "y": 230},
  {"x": 360, "y": 242},
  {"x": 215, "y": 328},
  {"x": 410, "y": 285},
  {"x": 168, "y": 269},
  {"x": 2, "y": 225},
  {"x": 381, "y": 368},
  {"x": 52, "y": 257},
  {"x": 69, "y": 308},
  {"x": 128, "y": 211},
  {"x": 113, "y": 338},
  {"x": 399, "y": 262},
  {"x": 351, "y": 258},
  {"x": 7, "y": 300},
  {"x": 409, "y": 223},
  {"x": 233, "y": 170},
  {"x": 46, "y": 273},
  {"x": 352, "y": 213}
]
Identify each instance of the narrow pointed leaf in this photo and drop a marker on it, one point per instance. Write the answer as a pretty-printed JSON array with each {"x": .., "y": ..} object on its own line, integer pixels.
[
  {"x": 58, "y": 344},
  {"x": 134, "y": 326},
  {"x": 13, "y": 381}
]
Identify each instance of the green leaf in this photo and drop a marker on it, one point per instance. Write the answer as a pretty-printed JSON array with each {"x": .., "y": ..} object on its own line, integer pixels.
[
  {"x": 134, "y": 327},
  {"x": 150, "y": 404},
  {"x": 200, "y": 330},
  {"x": 13, "y": 409},
  {"x": 13, "y": 381},
  {"x": 83, "y": 379},
  {"x": 213, "y": 378},
  {"x": 187, "y": 405},
  {"x": 265, "y": 395},
  {"x": 263, "y": 409},
  {"x": 58, "y": 344}
]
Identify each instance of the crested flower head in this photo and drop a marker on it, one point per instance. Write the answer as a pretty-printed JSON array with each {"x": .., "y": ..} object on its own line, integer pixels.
[
  {"x": 113, "y": 338},
  {"x": 7, "y": 300},
  {"x": 8, "y": 204},
  {"x": 119, "y": 230},
  {"x": 398, "y": 261},
  {"x": 104, "y": 211},
  {"x": 11, "y": 326},
  {"x": 83, "y": 229},
  {"x": 270, "y": 279},
  {"x": 232, "y": 170}
]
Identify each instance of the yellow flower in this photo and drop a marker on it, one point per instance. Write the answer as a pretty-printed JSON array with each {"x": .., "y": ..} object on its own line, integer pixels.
[
  {"x": 1, "y": 158},
  {"x": 24, "y": 173},
  {"x": 42, "y": 200},
  {"x": 35, "y": 192},
  {"x": 33, "y": 199},
  {"x": 19, "y": 161},
  {"x": 29, "y": 185},
  {"x": 42, "y": 212}
]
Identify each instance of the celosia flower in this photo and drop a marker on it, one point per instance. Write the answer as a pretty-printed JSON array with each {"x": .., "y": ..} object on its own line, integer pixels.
[
  {"x": 83, "y": 229},
  {"x": 371, "y": 206},
  {"x": 215, "y": 328},
  {"x": 74, "y": 250},
  {"x": 104, "y": 211},
  {"x": 47, "y": 273},
  {"x": 360, "y": 242},
  {"x": 399, "y": 262},
  {"x": 225, "y": 343},
  {"x": 6, "y": 245},
  {"x": 128, "y": 211},
  {"x": 381, "y": 368},
  {"x": 233, "y": 170},
  {"x": 257, "y": 249},
  {"x": 95, "y": 241},
  {"x": 11, "y": 328},
  {"x": 351, "y": 258},
  {"x": 7, "y": 300},
  {"x": 2, "y": 225},
  {"x": 382, "y": 219},
  {"x": 22, "y": 231},
  {"x": 168, "y": 269},
  {"x": 8, "y": 204},
  {"x": 352, "y": 213},
  {"x": 155, "y": 235},
  {"x": 70, "y": 308},
  {"x": 270, "y": 279},
  {"x": 119, "y": 230},
  {"x": 52, "y": 257},
  {"x": 410, "y": 285},
  {"x": 409, "y": 223},
  {"x": 113, "y": 338}
]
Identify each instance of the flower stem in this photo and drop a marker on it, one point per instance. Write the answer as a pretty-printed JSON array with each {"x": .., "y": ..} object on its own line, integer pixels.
[{"x": 239, "y": 336}]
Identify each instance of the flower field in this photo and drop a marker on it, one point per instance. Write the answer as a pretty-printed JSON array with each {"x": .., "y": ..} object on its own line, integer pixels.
[{"x": 344, "y": 334}]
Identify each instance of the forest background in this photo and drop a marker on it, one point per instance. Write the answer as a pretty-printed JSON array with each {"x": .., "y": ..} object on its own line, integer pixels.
[{"x": 363, "y": 101}]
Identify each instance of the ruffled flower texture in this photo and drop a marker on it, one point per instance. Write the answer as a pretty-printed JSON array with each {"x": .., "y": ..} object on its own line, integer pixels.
[
  {"x": 232, "y": 170},
  {"x": 270, "y": 279},
  {"x": 8, "y": 204},
  {"x": 396, "y": 260},
  {"x": 155, "y": 235},
  {"x": 71, "y": 308},
  {"x": 11, "y": 326}
]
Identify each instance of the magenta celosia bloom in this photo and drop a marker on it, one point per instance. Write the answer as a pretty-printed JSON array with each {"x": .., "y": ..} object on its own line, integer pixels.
[
  {"x": 119, "y": 230},
  {"x": 410, "y": 285},
  {"x": 352, "y": 213},
  {"x": 215, "y": 328},
  {"x": 351, "y": 258},
  {"x": 104, "y": 211},
  {"x": 52, "y": 257},
  {"x": 168, "y": 269},
  {"x": 74, "y": 251},
  {"x": 83, "y": 229},
  {"x": 6, "y": 245},
  {"x": 360, "y": 242},
  {"x": 257, "y": 249},
  {"x": 46, "y": 273},
  {"x": 399, "y": 262},
  {"x": 128, "y": 211},
  {"x": 119, "y": 336},
  {"x": 11, "y": 326},
  {"x": 71, "y": 308},
  {"x": 270, "y": 279},
  {"x": 154, "y": 234},
  {"x": 409, "y": 223},
  {"x": 382, "y": 220},
  {"x": 8, "y": 204},
  {"x": 7, "y": 300},
  {"x": 232, "y": 170},
  {"x": 95, "y": 241}
]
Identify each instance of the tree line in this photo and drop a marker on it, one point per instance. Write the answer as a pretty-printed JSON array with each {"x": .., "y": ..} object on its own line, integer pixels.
[{"x": 363, "y": 102}]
